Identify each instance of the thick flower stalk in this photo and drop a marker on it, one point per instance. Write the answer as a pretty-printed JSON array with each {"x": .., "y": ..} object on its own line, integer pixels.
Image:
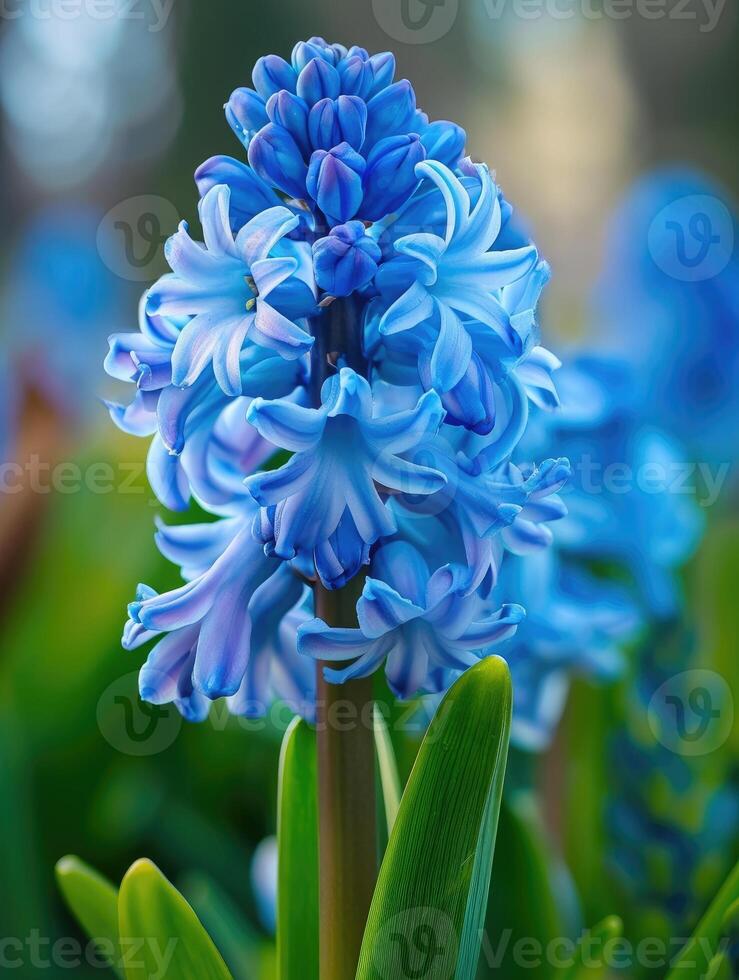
[{"x": 341, "y": 373}]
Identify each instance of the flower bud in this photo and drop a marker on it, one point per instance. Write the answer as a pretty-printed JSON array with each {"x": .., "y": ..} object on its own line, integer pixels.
[
  {"x": 291, "y": 113},
  {"x": 390, "y": 177},
  {"x": 335, "y": 182},
  {"x": 318, "y": 80},
  {"x": 444, "y": 141},
  {"x": 271, "y": 74},
  {"x": 341, "y": 121},
  {"x": 346, "y": 259},
  {"x": 391, "y": 111},
  {"x": 245, "y": 113},
  {"x": 276, "y": 157}
]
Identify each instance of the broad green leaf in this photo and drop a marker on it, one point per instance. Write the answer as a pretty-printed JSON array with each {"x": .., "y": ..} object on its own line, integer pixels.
[
  {"x": 297, "y": 837},
  {"x": 389, "y": 778},
  {"x": 93, "y": 901},
  {"x": 522, "y": 904},
  {"x": 695, "y": 957},
  {"x": 160, "y": 935},
  {"x": 590, "y": 959},
  {"x": 427, "y": 913}
]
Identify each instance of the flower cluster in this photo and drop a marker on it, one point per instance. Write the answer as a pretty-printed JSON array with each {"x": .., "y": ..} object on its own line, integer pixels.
[{"x": 339, "y": 373}]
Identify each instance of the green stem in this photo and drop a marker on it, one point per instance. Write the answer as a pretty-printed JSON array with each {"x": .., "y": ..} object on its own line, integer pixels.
[
  {"x": 346, "y": 748},
  {"x": 346, "y": 805}
]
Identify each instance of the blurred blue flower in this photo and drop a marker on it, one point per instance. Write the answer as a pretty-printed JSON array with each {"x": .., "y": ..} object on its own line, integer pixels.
[
  {"x": 331, "y": 128},
  {"x": 252, "y": 287},
  {"x": 627, "y": 502},
  {"x": 575, "y": 624},
  {"x": 669, "y": 297},
  {"x": 668, "y": 850},
  {"x": 264, "y": 883},
  {"x": 59, "y": 299},
  {"x": 415, "y": 620}
]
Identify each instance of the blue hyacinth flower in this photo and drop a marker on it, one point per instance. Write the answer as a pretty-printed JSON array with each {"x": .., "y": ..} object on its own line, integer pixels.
[
  {"x": 344, "y": 457},
  {"x": 252, "y": 287},
  {"x": 414, "y": 621},
  {"x": 212, "y": 647},
  {"x": 194, "y": 429},
  {"x": 435, "y": 283}
]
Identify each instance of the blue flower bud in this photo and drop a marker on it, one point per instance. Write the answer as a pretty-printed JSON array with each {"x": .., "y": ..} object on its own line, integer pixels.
[
  {"x": 245, "y": 113},
  {"x": 276, "y": 157},
  {"x": 356, "y": 77},
  {"x": 382, "y": 67},
  {"x": 318, "y": 80},
  {"x": 305, "y": 51},
  {"x": 271, "y": 74},
  {"x": 335, "y": 182},
  {"x": 291, "y": 113},
  {"x": 340, "y": 121},
  {"x": 390, "y": 177},
  {"x": 444, "y": 141},
  {"x": 390, "y": 112},
  {"x": 346, "y": 259}
]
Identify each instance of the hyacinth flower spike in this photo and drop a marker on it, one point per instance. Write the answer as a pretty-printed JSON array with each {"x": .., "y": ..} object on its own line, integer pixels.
[{"x": 340, "y": 374}]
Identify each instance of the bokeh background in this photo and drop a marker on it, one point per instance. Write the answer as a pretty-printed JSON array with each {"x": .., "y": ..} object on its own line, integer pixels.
[{"x": 106, "y": 111}]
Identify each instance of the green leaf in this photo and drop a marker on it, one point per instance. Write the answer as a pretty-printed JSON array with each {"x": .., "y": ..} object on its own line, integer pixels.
[
  {"x": 160, "y": 935},
  {"x": 427, "y": 912},
  {"x": 589, "y": 960},
  {"x": 93, "y": 901},
  {"x": 522, "y": 904},
  {"x": 297, "y": 837},
  {"x": 694, "y": 959},
  {"x": 389, "y": 778}
]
